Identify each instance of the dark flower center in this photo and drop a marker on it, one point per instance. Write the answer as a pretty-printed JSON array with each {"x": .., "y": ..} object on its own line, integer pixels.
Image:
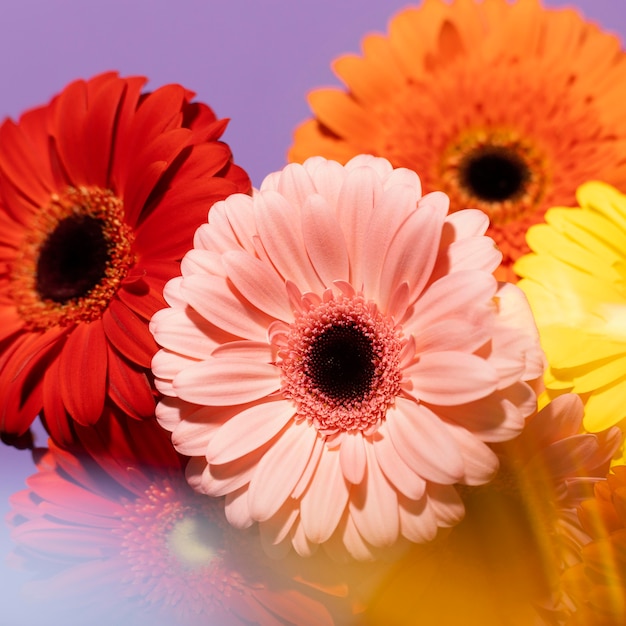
[
  {"x": 494, "y": 174},
  {"x": 73, "y": 259},
  {"x": 340, "y": 363}
]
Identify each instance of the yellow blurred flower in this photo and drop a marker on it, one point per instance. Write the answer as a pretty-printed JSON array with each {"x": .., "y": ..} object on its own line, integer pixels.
[{"x": 575, "y": 280}]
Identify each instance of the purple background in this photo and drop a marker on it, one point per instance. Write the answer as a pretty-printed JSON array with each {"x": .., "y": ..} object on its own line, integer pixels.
[{"x": 252, "y": 61}]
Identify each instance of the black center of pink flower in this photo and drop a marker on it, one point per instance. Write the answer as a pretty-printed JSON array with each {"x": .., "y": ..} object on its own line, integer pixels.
[
  {"x": 340, "y": 363},
  {"x": 73, "y": 259},
  {"x": 494, "y": 174}
]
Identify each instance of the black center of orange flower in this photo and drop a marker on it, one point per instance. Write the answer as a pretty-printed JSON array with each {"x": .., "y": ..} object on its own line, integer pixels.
[
  {"x": 340, "y": 363},
  {"x": 73, "y": 259},
  {"x": 494, "y": 174}
]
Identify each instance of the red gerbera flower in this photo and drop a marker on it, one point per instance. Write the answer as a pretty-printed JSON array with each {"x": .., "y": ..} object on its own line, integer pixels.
[{"x": 100, "y": 193}]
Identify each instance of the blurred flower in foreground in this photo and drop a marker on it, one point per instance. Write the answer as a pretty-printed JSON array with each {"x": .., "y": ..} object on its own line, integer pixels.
[
  {"x": 597, "y": 585},
  {"x": 502, "y": 564},
  {"x": 506, "y": 107},
  {"x": 100, "y": 193},
  {"x": 143, "y": 549},
  {"x": 576, "y": 284},
  {"x": 336, "y": 355}
]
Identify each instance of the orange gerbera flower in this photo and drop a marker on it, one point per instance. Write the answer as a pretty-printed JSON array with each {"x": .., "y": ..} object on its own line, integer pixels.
[
  {"x": 504, "y": 107},
  {"x": 597, "y": 585},
  {"x": 100, "y": 193}
]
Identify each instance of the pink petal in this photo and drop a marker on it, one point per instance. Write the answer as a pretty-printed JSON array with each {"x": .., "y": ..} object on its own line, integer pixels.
[
  {"x": 194, "y": 471},
  {"x": 453, "y": 296},
  {"x": 165, "y": 366},
  {"x": 468, "y": 223},
  {"x": 446, "y": 504},
  {"x": 258, "y": 283},
  {"x": 481, "y": 462},
  {"x": 280, "y": 469},
  {"x": 324, "y": 502},
  {"x": 185, "y": 332},
  {"x": 236, "y": 508},
  {"x": 310, "y": 469},
  {"x": 226, "y": 381},
  {"x": 215, "y": 300},
  {"x": 424, "y": 443},
  {"x": 328, "y": 178},
  {"x": 358, "y": 195},
  {"x": 461, "y": 335},
  {"x": 417, "y": 520},
  {"x": 252, "y": 350},
  {"x": 295, "y": 184},
  {"x": 374, "y": 505},
  {"x": 390, "y": 214},
  {"x": 379, "y": 165},
  {"x": 449, "y": 378},
  {"x": 249, "y": 430},
  {"x": 324, "y": 241},
  {"x": 220, "y": 480},
  {"x": 300, "y": 541},
  {"x": 275, "y": 531},
  {"x": 414, "y": 248},
  {"x": 405, "y": 177},
  {"x": 198, "y": 261},
  {"x": 231, "y": 226},
  {"x": 168, "y": 413},
  {"x": 280, "y": 231},
  {"x": 352, "y": 456},
  {"x": 498, "y": 417},
  {"x": 398, "y": 302},
  {"x": 474, "y": 253},
  {"x": 192, "y": 435},
  {"x": 354, "y": 542},
  {"x": 516, "y": 350},
  {"x": 399, "y": 474}
]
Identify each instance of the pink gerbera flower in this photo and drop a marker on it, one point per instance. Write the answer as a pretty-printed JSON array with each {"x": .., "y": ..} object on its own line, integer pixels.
[{"x": 337, "y": 353}]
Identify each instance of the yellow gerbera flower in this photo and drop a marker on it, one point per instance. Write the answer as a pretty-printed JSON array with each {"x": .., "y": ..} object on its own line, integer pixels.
[{"x": 575, "y": 280}]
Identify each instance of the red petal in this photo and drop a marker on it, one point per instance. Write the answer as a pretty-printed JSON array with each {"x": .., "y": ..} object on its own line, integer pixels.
[
  {"x": 149, "y": 164},
  {"x": 157, "y": 113},
  {"x": 100, "y": 130},
  {"x": 54, "y": 416},
  {"x": 70, "y": 111},
  {"x": 129, "y": 388},
  {"x": 129, "y": 334},
  {"x": 10, "y": 322},
  {"x": 23, "y": 365},
  {"x": 23, "y": 163},
  {"x": 82, "y": 372},
  {"x": 141, "y": 297}
]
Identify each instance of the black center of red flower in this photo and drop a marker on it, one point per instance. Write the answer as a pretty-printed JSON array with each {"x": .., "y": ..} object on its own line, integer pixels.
[
  {"x": 73, "y": 259},
  {"x": 494, "y": 174},
  {"x": 340, "y": 363}
]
